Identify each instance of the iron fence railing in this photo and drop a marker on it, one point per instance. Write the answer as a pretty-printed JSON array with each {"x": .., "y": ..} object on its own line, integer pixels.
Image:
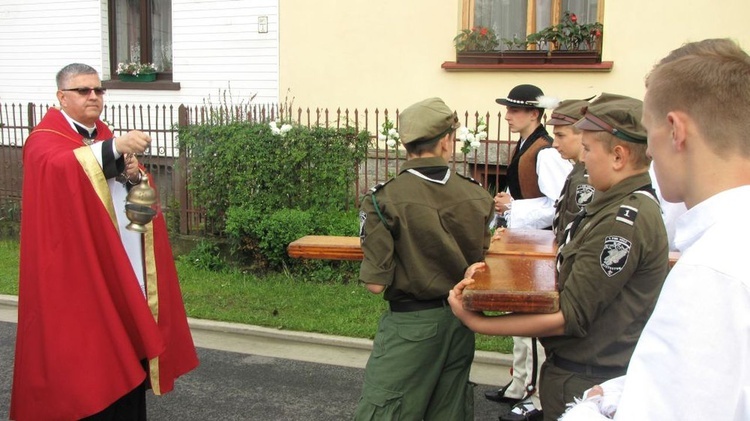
[{"x": 168, "y": 164}]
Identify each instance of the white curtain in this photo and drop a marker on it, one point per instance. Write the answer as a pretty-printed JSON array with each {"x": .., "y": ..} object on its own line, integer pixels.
[
  {"x": 161, "y": 32},
  {"x": 585, "y": 10},
  {"x": 508, "y": 17}
]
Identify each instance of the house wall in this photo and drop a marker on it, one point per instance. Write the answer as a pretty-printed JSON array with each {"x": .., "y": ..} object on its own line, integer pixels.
[
  {"x": 217, "y": 50},
  {"x": 388, "y": 53}
]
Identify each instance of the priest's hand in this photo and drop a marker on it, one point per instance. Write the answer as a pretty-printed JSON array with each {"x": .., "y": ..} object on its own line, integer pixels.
[
  {"x": 132, "y": 142},
  {"x": 132, "y": 171}
]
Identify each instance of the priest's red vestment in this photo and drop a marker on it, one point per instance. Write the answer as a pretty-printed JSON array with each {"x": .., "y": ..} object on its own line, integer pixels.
[{"x": 84, "y": 325}]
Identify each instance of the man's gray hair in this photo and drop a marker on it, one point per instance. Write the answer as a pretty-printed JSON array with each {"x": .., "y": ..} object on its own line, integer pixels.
[{"x": 73, "y": 69}]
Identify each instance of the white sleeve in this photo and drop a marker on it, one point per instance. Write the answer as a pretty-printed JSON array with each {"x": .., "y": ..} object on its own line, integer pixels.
[
  {"x": 538, "y": 213},
  {"x": 596, "y": 408},
  {"x": 534, "y": 213},
  {"x": 96, "y": 148},
  {"x": 552, "y": 170},
  {"x": 675, "y": 374}
]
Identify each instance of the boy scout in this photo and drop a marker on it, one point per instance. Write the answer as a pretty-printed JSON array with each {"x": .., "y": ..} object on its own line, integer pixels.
[
  {"x": 577, "y": 192},
  {"x": 420, "y": 232},
  {"x": 610, "y": 268}
]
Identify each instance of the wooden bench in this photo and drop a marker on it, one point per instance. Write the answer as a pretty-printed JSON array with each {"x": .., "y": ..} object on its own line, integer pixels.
[{"x": 520, "y": 274}]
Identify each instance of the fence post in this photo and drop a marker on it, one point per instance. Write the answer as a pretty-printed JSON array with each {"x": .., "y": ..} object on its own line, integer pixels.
[
  {"x": 180, "y": 179},
  {"x": 31, "y": 115}
]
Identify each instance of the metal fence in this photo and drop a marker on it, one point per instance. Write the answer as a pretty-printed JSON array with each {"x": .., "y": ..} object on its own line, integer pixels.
[{"x": 168, "y": 163}]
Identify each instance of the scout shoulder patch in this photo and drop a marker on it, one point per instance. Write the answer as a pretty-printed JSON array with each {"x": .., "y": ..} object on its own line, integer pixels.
[
  {"x": 627, "y": 214},
  {"x": 378, "y": 186},
  {"x": 362, "y": 220},
  {"x": 614, "y": 255},
  {"x": 584, "y": 194},
  {"x": 376, "y": 206},
  {"x": 466, "y": 177}
]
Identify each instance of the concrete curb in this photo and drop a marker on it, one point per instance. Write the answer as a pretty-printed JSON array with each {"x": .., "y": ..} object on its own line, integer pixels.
[{"x": 300, "y": 337}]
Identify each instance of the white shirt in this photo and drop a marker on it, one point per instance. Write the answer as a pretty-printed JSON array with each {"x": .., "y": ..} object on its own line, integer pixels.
[
  {"x": 537, "y": 213},
  {"x": 669, "y": 211},
  {"x": 692, "y": 361}
]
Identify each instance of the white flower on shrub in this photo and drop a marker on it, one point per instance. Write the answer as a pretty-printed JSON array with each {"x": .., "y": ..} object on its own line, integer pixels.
[
  {"x": 389, "y": 134},
  {"x": 279, "y": 131},
  {"x": 472, "y": 138}
]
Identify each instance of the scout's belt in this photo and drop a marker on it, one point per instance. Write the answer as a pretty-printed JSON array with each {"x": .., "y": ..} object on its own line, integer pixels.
[
  {"x": 586, "y": 369},
  {"x": 416, "y": 305}
]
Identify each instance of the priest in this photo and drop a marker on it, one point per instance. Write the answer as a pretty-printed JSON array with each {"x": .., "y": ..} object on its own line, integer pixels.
[{"x": 100, "y": 314}]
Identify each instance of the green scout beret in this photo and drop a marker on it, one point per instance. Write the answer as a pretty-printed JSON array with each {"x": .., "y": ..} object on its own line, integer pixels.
[
  {"x": 616, "y": 114},
  {"x": 426, "y": 120},
  {"x": 568, "y": 112}
]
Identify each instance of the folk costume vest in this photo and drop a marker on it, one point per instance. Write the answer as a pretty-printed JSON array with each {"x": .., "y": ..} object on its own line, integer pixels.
[{"x": 522, "y": 179}]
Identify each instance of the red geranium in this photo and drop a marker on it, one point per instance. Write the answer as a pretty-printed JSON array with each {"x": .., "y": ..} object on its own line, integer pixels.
[
  {"x": 478, "y": 38},
  {"x": 569, "y": 34}
]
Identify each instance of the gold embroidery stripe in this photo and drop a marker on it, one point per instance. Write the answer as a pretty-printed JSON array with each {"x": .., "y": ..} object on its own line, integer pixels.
[
  {"x": 153, "y": 367},
  {"x": 152, "y": 294},
  {"x": 93, "y": 170}
]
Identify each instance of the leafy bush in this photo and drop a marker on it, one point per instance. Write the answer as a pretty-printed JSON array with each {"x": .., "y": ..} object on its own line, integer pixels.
[
  {"x": 279, "y": 229},
  {"x": 266, "y": 188},
  {"x": 206, "y": 255}
]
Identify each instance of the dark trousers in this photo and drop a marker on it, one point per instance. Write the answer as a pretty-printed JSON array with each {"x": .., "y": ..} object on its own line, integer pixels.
[
  {"x": 130, "y": 407},
  {"x": 557, "y": 387}
]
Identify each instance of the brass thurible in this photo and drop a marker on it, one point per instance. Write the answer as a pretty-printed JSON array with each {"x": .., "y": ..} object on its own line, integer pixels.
[{"x": 139, "y": 205}]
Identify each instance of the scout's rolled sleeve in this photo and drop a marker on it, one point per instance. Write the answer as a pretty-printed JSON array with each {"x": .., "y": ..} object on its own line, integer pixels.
[{"x": 378, "y": 264}]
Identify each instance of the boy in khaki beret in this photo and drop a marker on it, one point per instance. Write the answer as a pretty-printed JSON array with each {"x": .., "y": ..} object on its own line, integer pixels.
[
  {"x": 611, "y": 264},
  {"x": 577, "y": 192},
  {"x": 420, "y": 232}
]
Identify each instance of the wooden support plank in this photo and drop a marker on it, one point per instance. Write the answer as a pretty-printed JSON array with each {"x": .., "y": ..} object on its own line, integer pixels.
[{"x": 326, "y": 247}]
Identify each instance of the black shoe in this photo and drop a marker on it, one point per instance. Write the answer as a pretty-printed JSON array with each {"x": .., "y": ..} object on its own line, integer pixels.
[
  {"x": 524, "y": 411},
  {"x": 499, "y": 396}
]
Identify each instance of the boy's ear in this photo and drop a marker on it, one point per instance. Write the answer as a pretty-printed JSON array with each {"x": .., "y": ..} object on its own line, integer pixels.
[
  {"x": 679, "y": 128},
  {"x": 620, "y": 156}
]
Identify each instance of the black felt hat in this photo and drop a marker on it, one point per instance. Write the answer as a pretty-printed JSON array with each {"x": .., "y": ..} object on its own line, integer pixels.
[{"x": 524, "y": 96}]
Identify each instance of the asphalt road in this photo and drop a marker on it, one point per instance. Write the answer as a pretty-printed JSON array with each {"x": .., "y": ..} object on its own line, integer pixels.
[{"x": 241, "y": 386}]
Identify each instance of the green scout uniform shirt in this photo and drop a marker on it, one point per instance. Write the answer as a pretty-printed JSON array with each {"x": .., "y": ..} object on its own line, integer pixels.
[
  {"x": 426, "y": 232},
  {"x": 575, "y": 195},
  {"x": 610, "y": 276}
]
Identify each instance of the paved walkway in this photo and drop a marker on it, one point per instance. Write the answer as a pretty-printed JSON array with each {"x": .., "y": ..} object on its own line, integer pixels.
[{"x": 255, "y": 373}]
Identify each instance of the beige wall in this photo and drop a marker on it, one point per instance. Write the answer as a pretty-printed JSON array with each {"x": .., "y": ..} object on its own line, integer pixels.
[{"x": 387, "y": 53}]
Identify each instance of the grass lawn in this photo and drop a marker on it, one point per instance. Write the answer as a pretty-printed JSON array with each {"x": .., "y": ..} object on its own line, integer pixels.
[{"x": 273, "y": 300}]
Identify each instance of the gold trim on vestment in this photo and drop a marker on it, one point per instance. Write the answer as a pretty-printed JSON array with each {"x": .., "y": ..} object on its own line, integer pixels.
[
  {"x": 152, "y": 296},
  {"x": 93, "y": 170}
]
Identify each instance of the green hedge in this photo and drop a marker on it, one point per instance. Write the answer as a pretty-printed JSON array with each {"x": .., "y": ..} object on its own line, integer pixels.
[{"x": 265, "y": 189}]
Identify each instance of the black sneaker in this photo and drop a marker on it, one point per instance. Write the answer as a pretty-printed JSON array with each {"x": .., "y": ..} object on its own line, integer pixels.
[
  {"x": 523, "y": 411},
  {"x": 499, "y": 396}
]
